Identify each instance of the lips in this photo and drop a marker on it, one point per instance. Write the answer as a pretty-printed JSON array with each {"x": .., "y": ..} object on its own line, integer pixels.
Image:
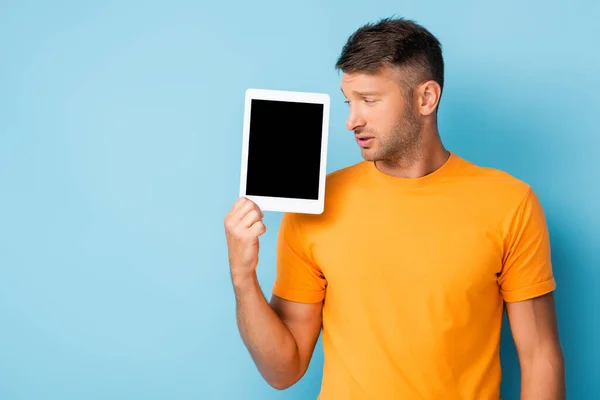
[
  {"x": 364, "y": 140},
  {"x": 361, "y": 137}
]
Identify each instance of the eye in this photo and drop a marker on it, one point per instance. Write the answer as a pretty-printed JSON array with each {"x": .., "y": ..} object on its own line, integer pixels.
[
  {"x": 347, "y": 102},
  {"x": 369, "y": 101}
]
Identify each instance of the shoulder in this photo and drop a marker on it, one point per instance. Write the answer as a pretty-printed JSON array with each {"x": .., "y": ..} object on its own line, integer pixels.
[
  {"x": 492, "y": 184},
  {"x": 495, "y": 195}
]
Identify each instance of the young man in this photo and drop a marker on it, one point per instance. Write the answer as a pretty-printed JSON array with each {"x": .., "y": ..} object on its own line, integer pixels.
[{"x": 418, "y": 253}]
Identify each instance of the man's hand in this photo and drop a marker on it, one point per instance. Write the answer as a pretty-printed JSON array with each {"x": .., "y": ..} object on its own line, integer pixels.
[{"x": 243, "y": 226}]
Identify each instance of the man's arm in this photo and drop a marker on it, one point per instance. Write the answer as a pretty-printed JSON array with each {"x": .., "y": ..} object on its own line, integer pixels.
[
  {"x": 535, "y": 332},
  {"x": 280, "y": 336}
]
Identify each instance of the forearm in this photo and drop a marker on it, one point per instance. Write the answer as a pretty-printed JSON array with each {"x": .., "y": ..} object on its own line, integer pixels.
[
  {"x": 543, "y": 377},
  {"x": 270, "y": 343}
]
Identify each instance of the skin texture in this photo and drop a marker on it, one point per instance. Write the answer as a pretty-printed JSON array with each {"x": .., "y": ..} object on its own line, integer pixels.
[
  {"x": 535, "y": 332},
  {"x": 403, "y": 123},
  {"x": 280, "y": 336},
  {"x": 404, "y": 142}
]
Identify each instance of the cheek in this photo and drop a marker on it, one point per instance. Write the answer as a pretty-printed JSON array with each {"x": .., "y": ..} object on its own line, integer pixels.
[{"x": 383, "y": 118}]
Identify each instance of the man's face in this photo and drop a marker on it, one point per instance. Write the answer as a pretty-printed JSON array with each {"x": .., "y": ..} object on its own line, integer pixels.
[{"x": 383, "y": 121}]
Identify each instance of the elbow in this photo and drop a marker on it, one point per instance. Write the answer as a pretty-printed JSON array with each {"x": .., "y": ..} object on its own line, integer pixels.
[
  {"x": 284, "y": 371},
  {"x": 282, "y": 383}
]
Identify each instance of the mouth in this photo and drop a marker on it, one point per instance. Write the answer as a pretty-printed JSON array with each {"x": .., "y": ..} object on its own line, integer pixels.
[{"x": 364, "y": 141}]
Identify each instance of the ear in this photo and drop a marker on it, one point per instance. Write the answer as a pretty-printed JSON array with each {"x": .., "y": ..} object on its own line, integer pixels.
[{"x": 428, "y": 97}]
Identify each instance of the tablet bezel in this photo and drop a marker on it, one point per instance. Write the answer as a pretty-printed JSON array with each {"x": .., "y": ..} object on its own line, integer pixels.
[{"x": 282, "y": 204}]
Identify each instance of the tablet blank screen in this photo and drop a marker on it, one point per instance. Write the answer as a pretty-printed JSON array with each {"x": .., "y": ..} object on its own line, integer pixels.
[{"x": 284, "y": 149}]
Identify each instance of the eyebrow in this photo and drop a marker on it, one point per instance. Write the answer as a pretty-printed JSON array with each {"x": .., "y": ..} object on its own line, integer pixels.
[{"x": 366, "y": 93}]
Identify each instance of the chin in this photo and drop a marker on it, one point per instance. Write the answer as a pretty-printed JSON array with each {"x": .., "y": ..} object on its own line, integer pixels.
[{"x": 368, "y": 154}]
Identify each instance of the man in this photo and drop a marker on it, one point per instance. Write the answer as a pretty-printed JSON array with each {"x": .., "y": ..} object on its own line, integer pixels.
[{"x": 409, "y": 269}]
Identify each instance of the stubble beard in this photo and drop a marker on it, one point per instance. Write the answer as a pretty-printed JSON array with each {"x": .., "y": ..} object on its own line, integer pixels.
[{"x": 401, "y": 146}]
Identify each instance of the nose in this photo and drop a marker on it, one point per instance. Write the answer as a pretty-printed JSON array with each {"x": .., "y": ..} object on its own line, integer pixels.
[{"x": 354, "y": 121}]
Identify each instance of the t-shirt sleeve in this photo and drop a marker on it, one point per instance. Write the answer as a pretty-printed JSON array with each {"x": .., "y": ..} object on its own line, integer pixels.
[
  {"x": 298, "y": 278},
  {"x": 527, "y": 267}
]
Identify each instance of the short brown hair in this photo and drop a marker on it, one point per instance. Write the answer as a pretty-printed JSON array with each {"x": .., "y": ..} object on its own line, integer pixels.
[{"x": 399, "y": 43}]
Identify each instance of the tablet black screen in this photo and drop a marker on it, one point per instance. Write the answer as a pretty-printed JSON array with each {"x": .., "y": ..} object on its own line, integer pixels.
[{"x": 284, "y": 149}]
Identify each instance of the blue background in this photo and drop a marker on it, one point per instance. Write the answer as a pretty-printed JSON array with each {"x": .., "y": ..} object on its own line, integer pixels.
[{"x": 120, "y": 143}]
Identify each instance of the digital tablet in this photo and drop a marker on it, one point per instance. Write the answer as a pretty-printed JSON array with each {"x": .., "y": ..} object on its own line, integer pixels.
[{"x": 284, "y": 150}]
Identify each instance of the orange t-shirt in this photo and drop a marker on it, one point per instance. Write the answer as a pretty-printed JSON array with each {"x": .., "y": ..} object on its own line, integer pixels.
[{"x": 413, "y": 274}]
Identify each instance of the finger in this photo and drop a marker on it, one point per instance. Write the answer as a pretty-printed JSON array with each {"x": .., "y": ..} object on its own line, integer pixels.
[
  {"x": 258, "y": 228},
  {"x": 239, "y": 210},
  {"x": 234, "y": 208},
  {"x": 262, "y": 214},
  {"x": 244, "y": 209},
  {"x": 238, "y": 203},
  {"x": 250, "y": 218}
]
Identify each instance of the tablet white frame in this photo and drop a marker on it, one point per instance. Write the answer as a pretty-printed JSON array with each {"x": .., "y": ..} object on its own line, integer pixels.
[{"x": 305, "y": 206}]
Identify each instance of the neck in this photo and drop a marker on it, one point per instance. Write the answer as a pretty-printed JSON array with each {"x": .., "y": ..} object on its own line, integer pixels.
[{"x": 427, "y": 156}]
